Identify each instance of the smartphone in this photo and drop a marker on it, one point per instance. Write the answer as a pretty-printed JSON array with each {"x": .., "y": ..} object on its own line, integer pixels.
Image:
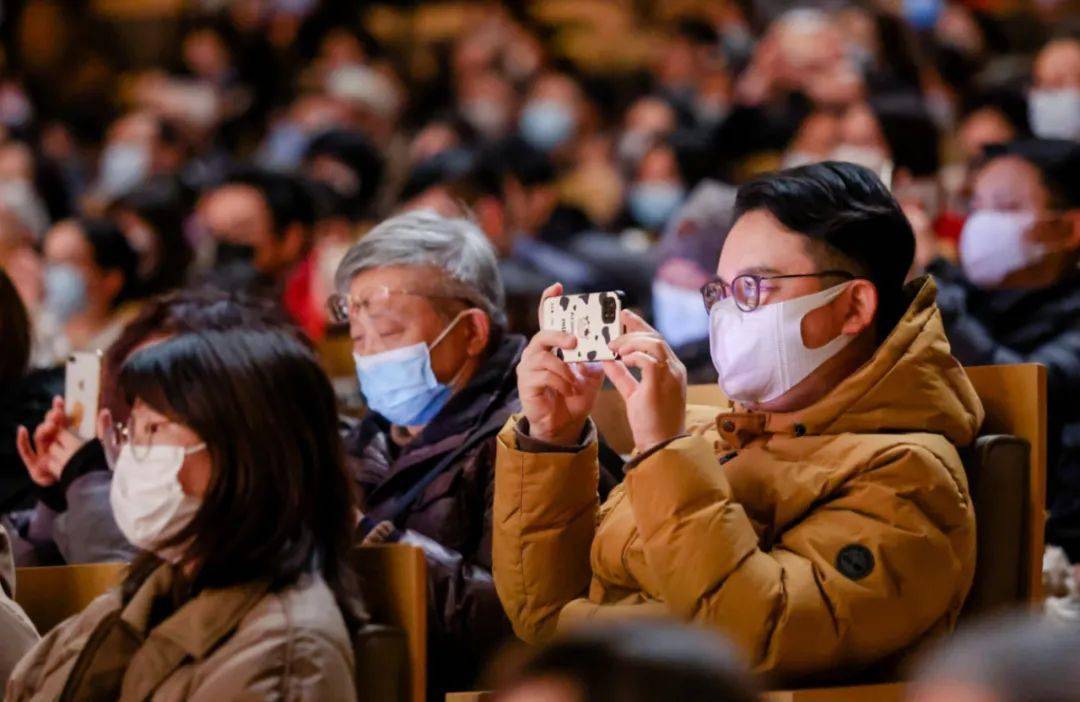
[
  {"x": 82, "y": 392},
  {"x": 594, "y": 318}
]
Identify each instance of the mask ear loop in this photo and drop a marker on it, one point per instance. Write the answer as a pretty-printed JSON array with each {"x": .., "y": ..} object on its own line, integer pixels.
[{"x": 453, "y": 382}]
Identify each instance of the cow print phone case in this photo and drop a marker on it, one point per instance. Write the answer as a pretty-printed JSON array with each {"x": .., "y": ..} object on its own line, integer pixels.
[{"x": 594, "y": 318}]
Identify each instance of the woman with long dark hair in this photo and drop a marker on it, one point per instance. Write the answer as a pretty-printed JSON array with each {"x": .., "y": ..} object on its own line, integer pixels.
[{"x": 228, "y": 476}]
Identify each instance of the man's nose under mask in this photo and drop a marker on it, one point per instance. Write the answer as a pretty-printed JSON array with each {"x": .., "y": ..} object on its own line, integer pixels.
[{"x": 760, "y": 355}]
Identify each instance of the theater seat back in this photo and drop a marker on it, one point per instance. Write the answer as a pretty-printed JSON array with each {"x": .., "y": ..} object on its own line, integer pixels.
[
  {"x": 998, "y": 477},
  {"x": 393, "y": 581}
]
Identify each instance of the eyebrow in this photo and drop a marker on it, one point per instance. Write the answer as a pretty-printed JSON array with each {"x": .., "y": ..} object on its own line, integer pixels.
[{"x": 753, "y": 270}]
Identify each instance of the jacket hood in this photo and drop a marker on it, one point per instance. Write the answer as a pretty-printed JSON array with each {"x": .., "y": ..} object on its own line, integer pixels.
[{"x": 912, "y": 383}]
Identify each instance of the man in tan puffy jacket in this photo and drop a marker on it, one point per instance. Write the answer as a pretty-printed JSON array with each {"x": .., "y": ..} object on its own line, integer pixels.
[{"x": 823, "y": 521}]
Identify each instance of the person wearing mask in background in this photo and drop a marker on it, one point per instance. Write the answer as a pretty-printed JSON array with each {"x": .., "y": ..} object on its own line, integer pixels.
[
  {"x": 1015, "y": 297},
  {"x": 1007, "y": 658},
  {"x": 824, "y": 522},
  {"x": 138, "y": 146},
  {"x": 650, "y": 661},
  {"x": 1054, "y": 99},
  {"x": 555, "y": 117},
  {"x": 657, "y": 189},
  {"x": 152, "y": 219},
  {"x": 228, "y": 478},
  {"x": 695, "y": 235},
  {"x": 72, "y": 521},
  {"x": 91, "y": 272},
  {"x": 256, "y": 234},
  {"x": 424, "y": 303},
  {"x": 24, "y": 395}
]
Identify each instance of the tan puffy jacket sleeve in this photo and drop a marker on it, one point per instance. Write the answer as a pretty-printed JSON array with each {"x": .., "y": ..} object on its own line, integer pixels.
[
  {"x": 790, "y": 607},
  {"x": 545, "y": 517}
]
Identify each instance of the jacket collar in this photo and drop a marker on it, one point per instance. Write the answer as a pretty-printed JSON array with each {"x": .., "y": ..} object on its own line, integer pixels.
[{"x": 192, "y": 631}]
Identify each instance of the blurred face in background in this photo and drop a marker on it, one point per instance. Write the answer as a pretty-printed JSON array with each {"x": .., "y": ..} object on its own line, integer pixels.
[
  {"x": 133, "y": 152},
  {"x": 658, "y": 188},
  {"x": 648, "y": 120},
  {"x": 812, "y": 59},
  {"x": 242, "y": 226},
  {"x": 553, "y": 113},
  {"x": 1015, "y": 237},
  {"x": 982, "y": 127},
  {"x": 487, "y": 102},
  {"x": 1054, "y": 100},
  {"x": 206, "y": 55},
  {"x": 861, "y": 139},
  {"x": 74, "y": 283}
]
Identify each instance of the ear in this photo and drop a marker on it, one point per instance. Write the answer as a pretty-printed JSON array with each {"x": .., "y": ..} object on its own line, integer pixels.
[
  {"x": 293, "y": 243},
  {"x": 112, "y": 282},
  {"x": 478, "y": 325},
  {"x": 491, "y": 218},
  {"x": 862, "y": 307}
]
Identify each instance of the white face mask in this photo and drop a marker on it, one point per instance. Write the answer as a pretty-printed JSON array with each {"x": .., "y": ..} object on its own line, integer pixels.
[
  {"x": 1055, "y": 114},
  {"x": 678, "y": 313},
  {"x": 760, "y": 355},
  {"x": 147, "y": 500},
  {"x": 994, "y": 244}
]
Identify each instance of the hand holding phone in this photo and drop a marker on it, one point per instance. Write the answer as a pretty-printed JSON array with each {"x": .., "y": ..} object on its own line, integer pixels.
[{"x": 556, "y": 397}]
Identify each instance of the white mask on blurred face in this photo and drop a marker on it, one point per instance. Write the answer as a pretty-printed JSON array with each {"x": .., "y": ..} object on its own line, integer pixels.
[
  {"x": 148, "y": 502},
  {"x": 994, "y": 244},
  {"x": 1055, "y": 114},
  {"x": 123, "y": 167}
]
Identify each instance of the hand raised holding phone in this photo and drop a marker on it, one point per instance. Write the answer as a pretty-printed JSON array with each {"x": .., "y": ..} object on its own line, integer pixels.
[
  {"x": 53, "y": 446},
  {"x": 556, "y": 396}
]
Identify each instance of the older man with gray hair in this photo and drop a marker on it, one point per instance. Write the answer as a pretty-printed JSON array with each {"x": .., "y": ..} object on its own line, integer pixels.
[{"x": 424, "y": 302}]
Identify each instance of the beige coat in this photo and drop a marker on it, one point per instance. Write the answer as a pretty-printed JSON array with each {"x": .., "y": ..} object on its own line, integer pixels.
[
  {"x": 17, "y": 634},
  {"x": 823, "y": 540},
  {"x": 239, "y": 643}
]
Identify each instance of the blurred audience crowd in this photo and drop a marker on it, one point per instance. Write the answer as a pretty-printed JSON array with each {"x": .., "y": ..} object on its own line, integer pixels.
[{"x": 160, "y": 161}]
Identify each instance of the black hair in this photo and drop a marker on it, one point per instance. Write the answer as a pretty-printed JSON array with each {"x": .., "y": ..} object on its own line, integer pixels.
[
  {"x": 849, "y": 212},
  {"x": 359, "y": 155},
  {"x": 526, "y": 164},
  {"x": 161, "y": 202},
  {"x": 15, "y": 330},
  {"x": 287, "y": 196},
  {"x": 279, "y": 503},
  {"x": 913, "y": 137},
  {"x": 645, "y": 661},
  {"x": 1058, "y": 161},
  {"x": 112, "y": 252},
  {"x": 180, "y": 312}
]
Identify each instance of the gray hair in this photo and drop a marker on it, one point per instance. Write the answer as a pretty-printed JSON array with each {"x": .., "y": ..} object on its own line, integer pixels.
[{"x": 424, "y": 238}]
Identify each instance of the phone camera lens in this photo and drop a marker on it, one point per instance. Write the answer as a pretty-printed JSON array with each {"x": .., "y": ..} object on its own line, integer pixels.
[{"x": 607, "y": 308}]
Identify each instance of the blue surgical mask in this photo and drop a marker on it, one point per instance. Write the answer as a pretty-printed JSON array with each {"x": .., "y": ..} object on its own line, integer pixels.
[
  {"x": 653, "y": 203},
  {"x": 400, "y": 385},
  {"x": 546, "y": 124},
  {"x": 65, "y": 290}
]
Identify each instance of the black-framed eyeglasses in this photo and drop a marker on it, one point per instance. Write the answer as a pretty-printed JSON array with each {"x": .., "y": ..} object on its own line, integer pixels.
[{"x": 746, "y": 289}]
